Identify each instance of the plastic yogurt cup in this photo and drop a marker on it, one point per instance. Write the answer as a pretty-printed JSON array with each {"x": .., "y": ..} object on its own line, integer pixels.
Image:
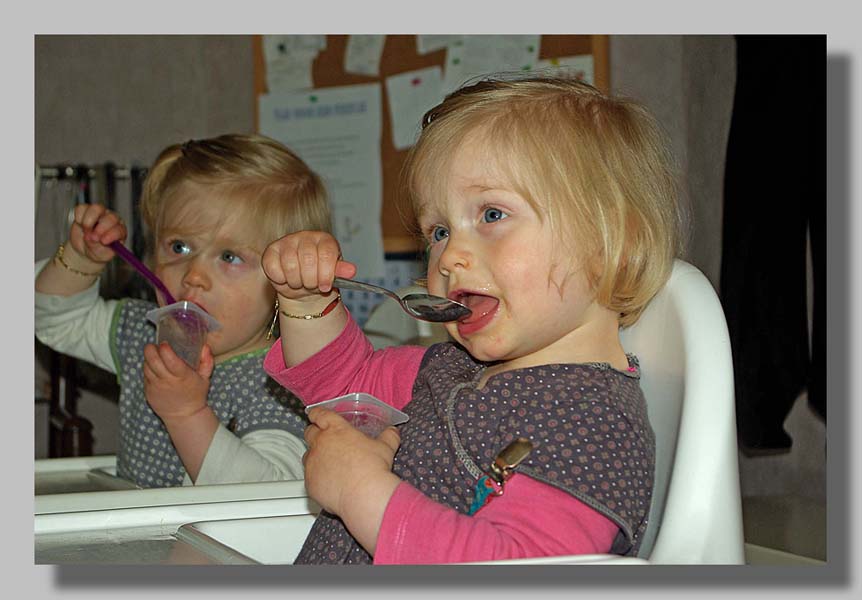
[
  {"x": 365, "y": 412},
  {"x": 184, "y": 325}
]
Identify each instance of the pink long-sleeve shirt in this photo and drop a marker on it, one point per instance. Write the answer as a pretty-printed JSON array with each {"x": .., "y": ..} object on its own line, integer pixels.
[{"x": 509, "y": 526}]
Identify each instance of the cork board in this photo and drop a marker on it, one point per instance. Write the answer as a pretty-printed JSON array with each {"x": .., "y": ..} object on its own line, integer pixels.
[{"x": 400, "y": 55}]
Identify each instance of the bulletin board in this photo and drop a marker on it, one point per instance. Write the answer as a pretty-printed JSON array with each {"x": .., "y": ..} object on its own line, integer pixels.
[{"x": 400, "y": 55}]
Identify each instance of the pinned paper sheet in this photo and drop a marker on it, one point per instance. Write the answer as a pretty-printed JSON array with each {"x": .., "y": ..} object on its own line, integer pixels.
[
  {"x": 289, "y": 74},
  {"x": 363, "y": 54},
  {"x": 479, "y": 55},
  {"x": 289, "y": 60},
  {"x": 336, "y": 131},
  {"x": 579, "y": 66},
  {"x": 279, "y": 46},
  {"x": 431, "y": 43},
  {"x": 410, "y": 95}
]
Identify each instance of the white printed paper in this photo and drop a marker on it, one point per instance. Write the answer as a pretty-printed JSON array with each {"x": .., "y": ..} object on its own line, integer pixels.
[
  {"x": 410, "y": 95},
  {"x": 579, "y": 66},
  {"x": 480, "y": 55},
  {"x": 336, "y": 131},
  {"x": 363, "y": 53}
]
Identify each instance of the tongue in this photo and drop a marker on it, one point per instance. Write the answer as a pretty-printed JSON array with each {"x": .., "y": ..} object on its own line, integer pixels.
[{"x": 480, "y": 305}]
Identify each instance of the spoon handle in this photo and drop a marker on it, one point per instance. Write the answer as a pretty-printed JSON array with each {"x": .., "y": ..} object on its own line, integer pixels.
[
  {"x": 352, "y": 284},
  {"x": 141, "y": 268}
]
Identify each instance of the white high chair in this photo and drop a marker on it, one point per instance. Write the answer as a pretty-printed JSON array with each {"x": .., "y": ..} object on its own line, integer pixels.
[{"x": 683, "y": 346}]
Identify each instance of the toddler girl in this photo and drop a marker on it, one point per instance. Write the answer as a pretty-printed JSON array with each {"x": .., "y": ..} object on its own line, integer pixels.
[
  {"x": 210, "y": 206},
  {"x": 550, "y": 210}
]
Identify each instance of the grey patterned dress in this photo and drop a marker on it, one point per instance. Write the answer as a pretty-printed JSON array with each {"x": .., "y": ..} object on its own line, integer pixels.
[
  {"x": 240, "y": 391},
  {"x": 588, "y": 422}
]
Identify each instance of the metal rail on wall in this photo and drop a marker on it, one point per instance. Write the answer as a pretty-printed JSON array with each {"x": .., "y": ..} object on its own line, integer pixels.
[
  {"x": 76, "y": 171},
  {"x": 69, "y": 433}
]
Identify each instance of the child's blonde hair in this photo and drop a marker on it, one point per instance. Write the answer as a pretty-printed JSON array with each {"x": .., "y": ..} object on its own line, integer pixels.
[
  {"x": 597, "y": 167},
  {"x": 268, "y": 183}
]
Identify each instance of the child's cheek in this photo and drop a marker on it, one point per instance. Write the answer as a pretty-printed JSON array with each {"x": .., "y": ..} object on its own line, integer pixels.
[
  {"x": 242, "y": 270},
  {"x": 436, "y": 284}
]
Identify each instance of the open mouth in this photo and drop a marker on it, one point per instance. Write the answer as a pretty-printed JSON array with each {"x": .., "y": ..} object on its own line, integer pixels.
[{"x": 483, "y": 307}]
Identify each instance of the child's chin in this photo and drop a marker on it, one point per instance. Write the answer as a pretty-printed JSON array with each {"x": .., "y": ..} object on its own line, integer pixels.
[{"x": 482, "y": 352}]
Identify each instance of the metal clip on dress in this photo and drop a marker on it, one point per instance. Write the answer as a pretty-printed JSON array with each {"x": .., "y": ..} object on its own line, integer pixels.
[{"x": 492, "y": 483}]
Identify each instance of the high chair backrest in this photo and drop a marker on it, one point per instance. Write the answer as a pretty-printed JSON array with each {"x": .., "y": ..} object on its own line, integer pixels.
[{"x": 682, "y": 344}]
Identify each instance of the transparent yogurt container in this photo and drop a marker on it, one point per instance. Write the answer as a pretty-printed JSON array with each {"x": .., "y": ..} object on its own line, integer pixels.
[
  {"x": 184, "y": 325},
  {"x": 365, "y": 412}
]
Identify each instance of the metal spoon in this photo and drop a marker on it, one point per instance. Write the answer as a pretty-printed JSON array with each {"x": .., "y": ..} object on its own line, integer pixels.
[{"x": 424, "y": 307}]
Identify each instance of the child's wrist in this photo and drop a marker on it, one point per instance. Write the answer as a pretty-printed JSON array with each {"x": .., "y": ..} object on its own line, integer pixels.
[
  {"x": 69, "y": 259},
  {"x": 187, "y": 420},
  {"x": 364, "y": 509},
  {"x": 312, "y": 307},
  {"x": 369, "y": 486}
]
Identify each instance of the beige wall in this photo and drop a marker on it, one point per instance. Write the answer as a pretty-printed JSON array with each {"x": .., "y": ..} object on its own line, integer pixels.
[
  {"x": 123, "y": 98},
  {"x": 688, "y": 83}
]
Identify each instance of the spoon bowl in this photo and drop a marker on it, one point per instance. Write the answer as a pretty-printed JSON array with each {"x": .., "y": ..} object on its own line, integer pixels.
[{"x": 425, "y": 307}]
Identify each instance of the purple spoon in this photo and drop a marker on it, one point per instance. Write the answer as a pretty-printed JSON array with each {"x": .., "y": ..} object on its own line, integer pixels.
[{"x": 141, "y": 268}]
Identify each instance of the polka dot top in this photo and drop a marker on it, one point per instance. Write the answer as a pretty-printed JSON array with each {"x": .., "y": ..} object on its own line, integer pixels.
[
  {"x": 241, "y": 394},
  {"x": 588, "y": 423}
]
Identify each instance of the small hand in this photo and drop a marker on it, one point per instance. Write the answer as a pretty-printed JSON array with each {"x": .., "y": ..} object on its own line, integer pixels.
[
  {"x": 172, "y": 388},
  {"x": 342, "y": 463},
  {"x": 304, "y": 264},
  {"x": 94, "y": 228}
]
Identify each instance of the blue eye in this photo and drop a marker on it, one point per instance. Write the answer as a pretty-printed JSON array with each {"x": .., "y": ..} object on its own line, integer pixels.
[
  {"x": 493, "y": 214},
  {"x": 439, "y": 233},
  {"x": 230, "y": 257},
  {"x": 179, "y": 247}
]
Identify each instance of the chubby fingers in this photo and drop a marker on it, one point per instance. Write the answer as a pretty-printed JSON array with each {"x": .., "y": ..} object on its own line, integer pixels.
[
  {"x": 87, "y": 215},
  {"x": 390, "y": 437},
  {"x": 154, "y": 368},
  {"x": 345, "y": 269},
  {"x": 304, "y": 261},
  {"x": 207, "y": 362},
  {"x": 270, "y": 262},
  {"x": 162, "y": 361},
  {"x": 324, "y": 418},
  {"x": 316, "y": 259},
  {"x": 99, "y": 224},
  {"x": 321, "y": 419}
]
